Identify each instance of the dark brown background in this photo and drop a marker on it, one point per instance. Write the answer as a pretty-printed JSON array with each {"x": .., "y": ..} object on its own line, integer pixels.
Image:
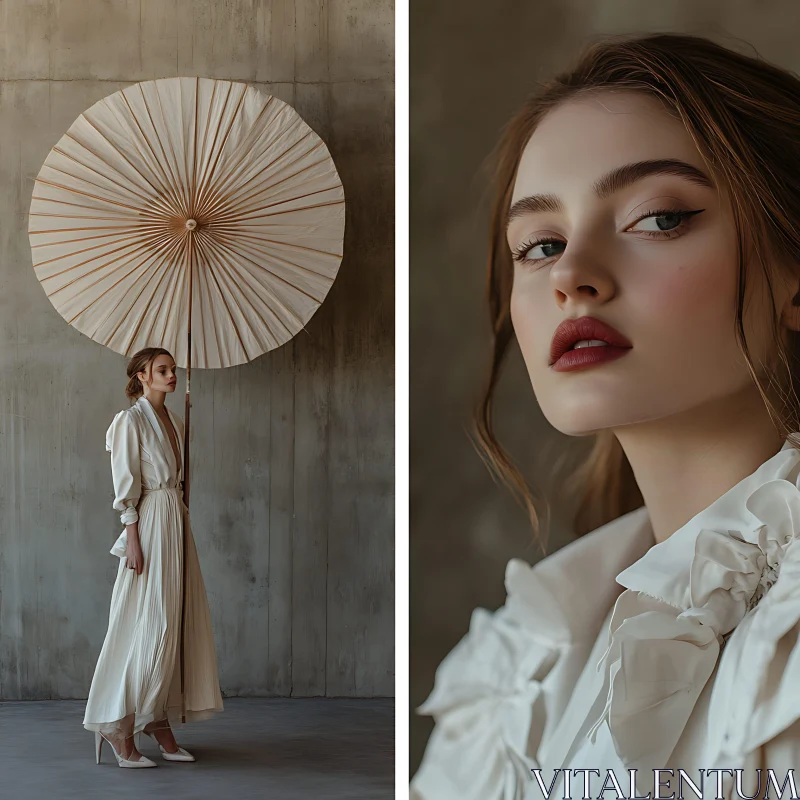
[{"x": 472, "y": 64}]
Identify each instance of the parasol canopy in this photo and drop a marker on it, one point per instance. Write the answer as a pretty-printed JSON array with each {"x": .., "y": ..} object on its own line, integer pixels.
[{"x": 188, "y": 206}]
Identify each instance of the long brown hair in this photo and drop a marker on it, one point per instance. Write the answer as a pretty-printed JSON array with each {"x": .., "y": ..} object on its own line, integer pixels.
[
  {"x": 139, "y": 363},
  {"x": 744, "y": 117}
]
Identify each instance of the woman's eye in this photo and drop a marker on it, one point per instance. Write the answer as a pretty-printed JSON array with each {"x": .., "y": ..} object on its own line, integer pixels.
[
  {"x": 660, "y": 222},
  {"x": 664, "y": 221},
  {"x": 536, "y": 251}
]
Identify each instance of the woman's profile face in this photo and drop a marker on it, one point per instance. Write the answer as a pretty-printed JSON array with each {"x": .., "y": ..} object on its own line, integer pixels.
[
  {"x": 163, "y": 377},
  {"x": 627, "y": 248}
]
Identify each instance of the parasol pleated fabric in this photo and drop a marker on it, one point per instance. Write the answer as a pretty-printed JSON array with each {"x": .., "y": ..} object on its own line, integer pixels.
[{"x": 188, "y": 196}]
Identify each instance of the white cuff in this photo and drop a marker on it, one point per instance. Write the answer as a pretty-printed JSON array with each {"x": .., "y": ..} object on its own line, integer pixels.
[{"x": 129, "y": 515}]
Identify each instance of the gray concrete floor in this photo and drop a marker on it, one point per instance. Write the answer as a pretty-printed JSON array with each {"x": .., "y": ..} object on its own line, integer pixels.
[{"x": 256, "y": 748}]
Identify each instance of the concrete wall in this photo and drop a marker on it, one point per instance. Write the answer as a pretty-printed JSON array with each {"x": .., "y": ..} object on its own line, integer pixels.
[
  {"x": 292, "y": 485},
  {"x": 472, "y": 65}
]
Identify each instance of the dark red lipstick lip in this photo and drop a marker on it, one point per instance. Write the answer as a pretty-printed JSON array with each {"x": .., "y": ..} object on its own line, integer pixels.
[
  {"x": 588, "y": 357},
  {"x": 571, "y": 331}
]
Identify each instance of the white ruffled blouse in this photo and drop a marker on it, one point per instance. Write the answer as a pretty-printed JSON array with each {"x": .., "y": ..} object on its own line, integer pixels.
[{"x": 690, "y": 661}]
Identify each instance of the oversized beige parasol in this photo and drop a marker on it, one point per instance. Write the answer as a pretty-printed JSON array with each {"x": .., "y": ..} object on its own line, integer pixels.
[{"x": 188, "y": 213}]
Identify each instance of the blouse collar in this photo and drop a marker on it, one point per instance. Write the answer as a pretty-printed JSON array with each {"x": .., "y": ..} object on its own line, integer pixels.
[
  {"x": 664, "y": 571},
  {"x": 713, "y": 582}
]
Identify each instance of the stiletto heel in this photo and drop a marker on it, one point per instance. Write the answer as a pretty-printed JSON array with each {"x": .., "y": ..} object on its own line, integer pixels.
[
  {"x": 180, "y": 755},
  {"x": 122, "y": 762}
]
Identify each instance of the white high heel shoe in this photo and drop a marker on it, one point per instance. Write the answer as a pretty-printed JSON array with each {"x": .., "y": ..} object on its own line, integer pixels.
[
  {"x": 180, "y": 755},
  {"x": 144, "y": 761}
]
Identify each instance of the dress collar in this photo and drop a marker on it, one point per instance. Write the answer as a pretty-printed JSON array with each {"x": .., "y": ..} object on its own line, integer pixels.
[
  {"x": 664, "y": 570},
  {"x": 163, "y": 438}
]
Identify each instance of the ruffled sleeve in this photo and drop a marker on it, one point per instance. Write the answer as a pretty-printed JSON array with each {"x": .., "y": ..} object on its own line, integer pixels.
[
  {"x": 122, "y": 441},
  {"x": 500, "y": 694},
  {"x": 494, "y": 696}
]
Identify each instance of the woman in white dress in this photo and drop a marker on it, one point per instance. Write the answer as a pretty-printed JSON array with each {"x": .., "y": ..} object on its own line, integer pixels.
[
  {"x": 136, "y": 685},
  {"x": 645, "y": 253}
]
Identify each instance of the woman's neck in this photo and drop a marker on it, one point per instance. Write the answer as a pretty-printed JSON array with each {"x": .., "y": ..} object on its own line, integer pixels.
[
  {"x": 156, "y": 400},
  {"x": 684, "y": 463}
]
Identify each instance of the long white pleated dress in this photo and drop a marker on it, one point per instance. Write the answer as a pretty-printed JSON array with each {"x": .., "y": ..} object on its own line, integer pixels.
[{"x": 138, "y": 670}]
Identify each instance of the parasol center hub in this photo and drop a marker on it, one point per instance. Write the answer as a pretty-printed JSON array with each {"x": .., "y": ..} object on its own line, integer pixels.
[{"x": 191, "y": 224}]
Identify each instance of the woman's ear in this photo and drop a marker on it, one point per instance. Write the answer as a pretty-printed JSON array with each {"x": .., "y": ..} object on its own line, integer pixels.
[{"x": 790, "y": 313}]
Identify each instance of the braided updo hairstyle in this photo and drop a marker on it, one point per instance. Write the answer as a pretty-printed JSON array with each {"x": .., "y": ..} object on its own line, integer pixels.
[{"x": 139, "y": 363}]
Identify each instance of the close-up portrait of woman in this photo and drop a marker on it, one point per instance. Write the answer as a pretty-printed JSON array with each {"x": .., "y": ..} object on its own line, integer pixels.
[{"x": 634, "y": 399}]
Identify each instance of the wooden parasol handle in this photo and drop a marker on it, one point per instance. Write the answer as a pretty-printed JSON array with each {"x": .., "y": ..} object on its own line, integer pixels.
[{"x": 190, "y": 246}]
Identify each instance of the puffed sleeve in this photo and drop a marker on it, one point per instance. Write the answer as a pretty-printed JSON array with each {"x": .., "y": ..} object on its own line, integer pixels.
[
  {"x": 494, "y": 695},
  {"x": 122, "y": 441}
]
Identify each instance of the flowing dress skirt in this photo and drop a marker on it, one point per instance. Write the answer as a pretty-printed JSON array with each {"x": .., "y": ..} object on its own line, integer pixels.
[{"x": 138, "y": 670}]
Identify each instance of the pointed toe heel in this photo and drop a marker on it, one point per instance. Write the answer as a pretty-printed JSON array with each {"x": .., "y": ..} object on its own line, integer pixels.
[
  {"x": 181, "y": 755},
  {"x": 122, "y": 762}
]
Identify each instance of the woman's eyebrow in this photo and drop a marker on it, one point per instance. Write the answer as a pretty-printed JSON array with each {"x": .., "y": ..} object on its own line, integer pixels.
[{"x": 618, "y": 178}]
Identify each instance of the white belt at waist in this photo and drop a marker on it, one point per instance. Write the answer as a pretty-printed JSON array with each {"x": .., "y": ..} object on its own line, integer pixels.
[{"x": 162, "y": 489}]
